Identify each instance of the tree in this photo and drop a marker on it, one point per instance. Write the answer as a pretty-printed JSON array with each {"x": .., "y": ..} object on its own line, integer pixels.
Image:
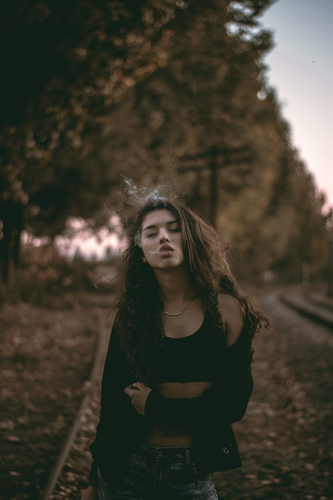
[
  {"x": 64, "y": 65},
  {"x": 134, "y": 91}
]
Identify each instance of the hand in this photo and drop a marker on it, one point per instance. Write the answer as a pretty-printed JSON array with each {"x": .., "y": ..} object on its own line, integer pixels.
[{"x": 138, "y": 393}]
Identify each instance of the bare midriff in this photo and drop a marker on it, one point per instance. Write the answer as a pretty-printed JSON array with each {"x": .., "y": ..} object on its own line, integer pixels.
[{"x": 161, "y": 434}]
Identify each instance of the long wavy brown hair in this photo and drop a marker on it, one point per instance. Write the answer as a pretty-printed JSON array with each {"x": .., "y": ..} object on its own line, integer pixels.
[{"x": 139, "y": 321}]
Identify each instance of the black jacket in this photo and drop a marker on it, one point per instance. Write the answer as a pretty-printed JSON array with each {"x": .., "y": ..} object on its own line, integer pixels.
[{"x": 213, "y": 448}]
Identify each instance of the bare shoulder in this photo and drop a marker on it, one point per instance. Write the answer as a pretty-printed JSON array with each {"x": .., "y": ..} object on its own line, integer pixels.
[
  {"x": 232, "y": 315},
  {"x": 230, "y": 308}
]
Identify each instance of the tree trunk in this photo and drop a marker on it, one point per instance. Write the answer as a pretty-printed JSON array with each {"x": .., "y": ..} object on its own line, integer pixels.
[{"x": 11, "y": 216}]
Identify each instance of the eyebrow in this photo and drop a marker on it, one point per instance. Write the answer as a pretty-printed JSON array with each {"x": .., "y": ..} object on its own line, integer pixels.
[{"x": 153, "y": 226}]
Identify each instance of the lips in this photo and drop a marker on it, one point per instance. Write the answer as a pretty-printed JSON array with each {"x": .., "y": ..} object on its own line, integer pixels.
[
  {"x": 166, "y": 251},
  {"x": 165, "y": 247}
]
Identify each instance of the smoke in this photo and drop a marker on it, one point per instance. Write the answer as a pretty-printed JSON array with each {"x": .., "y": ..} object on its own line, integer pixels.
[
  {"x": 137, "y": 239},
  {"x": 140, "y": 196}
]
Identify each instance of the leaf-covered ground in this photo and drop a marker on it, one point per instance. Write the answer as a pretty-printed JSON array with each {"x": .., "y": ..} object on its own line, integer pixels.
[
  {"x": 285, "y": 438},
  {"x": 45, "y": 358}
]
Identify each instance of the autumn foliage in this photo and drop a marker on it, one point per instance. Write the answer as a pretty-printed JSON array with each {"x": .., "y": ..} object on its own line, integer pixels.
[{"x": 96, "y": 90}]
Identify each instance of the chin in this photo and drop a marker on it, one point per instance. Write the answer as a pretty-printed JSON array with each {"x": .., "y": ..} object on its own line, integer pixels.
[{"x": 168, "y": 264}]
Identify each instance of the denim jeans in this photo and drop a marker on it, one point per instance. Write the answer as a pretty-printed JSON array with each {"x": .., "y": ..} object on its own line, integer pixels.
[{"x": 158, "y": 474}]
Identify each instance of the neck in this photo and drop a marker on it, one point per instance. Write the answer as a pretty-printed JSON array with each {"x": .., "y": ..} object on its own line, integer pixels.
[{"x": 176, "y": 287}]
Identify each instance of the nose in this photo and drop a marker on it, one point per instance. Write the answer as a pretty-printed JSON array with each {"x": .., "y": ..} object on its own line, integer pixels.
[{"x": 164, "y": 235}]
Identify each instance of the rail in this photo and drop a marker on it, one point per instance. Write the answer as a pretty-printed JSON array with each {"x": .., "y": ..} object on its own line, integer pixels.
[
  {"x": 87, "y": 387},
  {"x": 317, "y": 307}
]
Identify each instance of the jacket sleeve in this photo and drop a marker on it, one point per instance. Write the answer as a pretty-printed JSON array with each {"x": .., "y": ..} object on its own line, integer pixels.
[
  {"x": 115, "y": 404},
  {"x": 228, "y": 397},
  {"x": 116, "y": 412}
]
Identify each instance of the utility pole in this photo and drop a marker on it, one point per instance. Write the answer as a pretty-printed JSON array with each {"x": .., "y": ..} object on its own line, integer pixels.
[
  {"x": 330, "y": 255},
  {"x": 215, "y": 160}
]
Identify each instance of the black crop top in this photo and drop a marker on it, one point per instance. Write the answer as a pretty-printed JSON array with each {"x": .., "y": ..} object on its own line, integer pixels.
[{"x": 187, "y": 359}]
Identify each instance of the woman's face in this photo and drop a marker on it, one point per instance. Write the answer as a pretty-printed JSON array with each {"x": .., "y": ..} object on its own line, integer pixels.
[{"x": 161, "y": 240}]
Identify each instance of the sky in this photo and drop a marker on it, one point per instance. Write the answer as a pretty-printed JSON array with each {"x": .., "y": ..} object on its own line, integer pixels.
[{"x": 301, "y": 69}]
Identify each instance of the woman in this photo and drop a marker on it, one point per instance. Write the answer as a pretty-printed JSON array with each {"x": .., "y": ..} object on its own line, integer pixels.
[{"x": 178, "y": 368}]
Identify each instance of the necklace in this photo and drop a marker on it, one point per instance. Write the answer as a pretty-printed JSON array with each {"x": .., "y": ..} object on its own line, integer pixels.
[{"x": 181, "y": 312}]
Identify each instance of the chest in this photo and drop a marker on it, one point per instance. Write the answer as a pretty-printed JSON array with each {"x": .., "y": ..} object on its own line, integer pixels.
[
  {"x": 193, "y": 358},
  {"x": 185, "y": 324}
]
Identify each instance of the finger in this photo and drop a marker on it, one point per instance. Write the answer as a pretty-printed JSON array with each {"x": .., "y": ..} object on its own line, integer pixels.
[
  {"x": 129, "y": 391},
  {"x": 139, "y": 385}
]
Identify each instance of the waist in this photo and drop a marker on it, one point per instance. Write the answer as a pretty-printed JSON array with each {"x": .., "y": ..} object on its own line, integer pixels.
[
  {"x": 169, "y": 436},
  {"x": 182, "y": 389}
]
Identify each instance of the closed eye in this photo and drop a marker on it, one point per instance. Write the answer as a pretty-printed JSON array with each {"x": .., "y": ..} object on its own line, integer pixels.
[{"x": 174, "y": 226}]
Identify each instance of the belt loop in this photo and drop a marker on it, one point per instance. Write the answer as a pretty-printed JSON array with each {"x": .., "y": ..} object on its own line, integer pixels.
[{"x": 187, "y": 456}]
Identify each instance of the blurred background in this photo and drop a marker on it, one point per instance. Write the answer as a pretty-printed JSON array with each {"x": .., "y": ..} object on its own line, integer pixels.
[{"x": 168, "y": 93}]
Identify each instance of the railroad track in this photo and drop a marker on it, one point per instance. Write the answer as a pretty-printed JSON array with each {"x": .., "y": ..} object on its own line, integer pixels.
[
  {"x": 311, "y": 304},
  {"x": 88, "y": 389},
  {"x": 66, "y": 469}
]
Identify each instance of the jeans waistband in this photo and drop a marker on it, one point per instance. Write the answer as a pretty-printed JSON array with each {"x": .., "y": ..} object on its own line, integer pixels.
[{"x": 164, "y": 451}]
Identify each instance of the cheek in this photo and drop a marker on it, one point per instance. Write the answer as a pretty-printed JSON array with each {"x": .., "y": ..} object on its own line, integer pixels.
[{"x": 180, "y": 243}]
